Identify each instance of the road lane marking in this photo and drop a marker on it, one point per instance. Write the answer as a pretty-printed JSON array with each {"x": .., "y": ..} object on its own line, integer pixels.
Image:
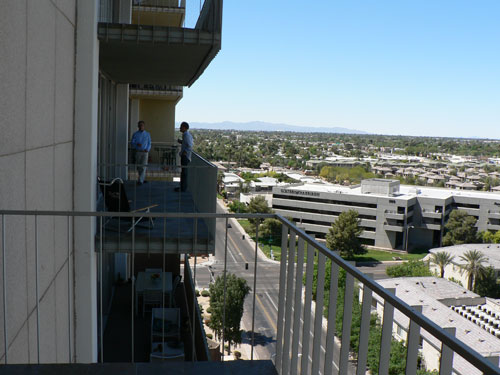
[
  {"x": 272, "y": 302},
  {"x": 237, "y": 249},
  {"x": 266, "y": 313}
]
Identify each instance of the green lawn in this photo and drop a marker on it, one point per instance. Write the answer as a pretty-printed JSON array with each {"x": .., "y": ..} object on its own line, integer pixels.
[
  {"x": 370, "y": 256},
  {"x": 381, "y": 256}
]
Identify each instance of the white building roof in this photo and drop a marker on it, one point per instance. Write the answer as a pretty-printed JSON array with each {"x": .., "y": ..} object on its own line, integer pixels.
[{"x": 490, "y": 251}]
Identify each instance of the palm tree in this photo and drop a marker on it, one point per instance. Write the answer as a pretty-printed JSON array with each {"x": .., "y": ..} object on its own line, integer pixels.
[
  {"x": 473, "y": 266},
  {"x": 442, "y": 259}
]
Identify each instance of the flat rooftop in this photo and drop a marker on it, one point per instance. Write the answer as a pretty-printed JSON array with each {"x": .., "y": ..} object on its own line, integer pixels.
[
  {"x": 405, "y": 191},
  {"x": 490, "y": 250},
  {"x": 425, "y": 291}
]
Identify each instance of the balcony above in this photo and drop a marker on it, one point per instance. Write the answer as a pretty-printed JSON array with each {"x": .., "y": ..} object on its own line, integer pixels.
[
  {"x": 156, "y": 92},
  {"x": 146, "y": 54},
  {"x": 159, "y": 12}
]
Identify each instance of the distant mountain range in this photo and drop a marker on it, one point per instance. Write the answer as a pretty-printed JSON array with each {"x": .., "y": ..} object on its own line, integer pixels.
[{"x": 268, "y": 126}]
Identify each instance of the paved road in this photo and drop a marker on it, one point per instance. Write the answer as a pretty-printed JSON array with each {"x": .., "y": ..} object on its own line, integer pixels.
[{"x": 241, "y": 252}]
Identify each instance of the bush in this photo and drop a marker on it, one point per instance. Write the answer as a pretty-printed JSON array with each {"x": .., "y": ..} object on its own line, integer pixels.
[
  {"x": 197, "y": 293},
  {"x": 209, "y": 310},
  {"x": 237, "y": 354},
  {"x": 205, "y": 293},
  {"x": 209, "y": 336},
  {"x": 409, "y": 269}
]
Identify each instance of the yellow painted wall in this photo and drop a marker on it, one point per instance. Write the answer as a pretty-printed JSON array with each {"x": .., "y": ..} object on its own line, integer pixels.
[{"x": 159, "y": 116}]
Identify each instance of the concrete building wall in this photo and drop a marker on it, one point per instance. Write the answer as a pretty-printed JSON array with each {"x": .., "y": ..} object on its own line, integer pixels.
[
  {"x": 160, "y": 119},
  {"x": 37, "y": 67}
]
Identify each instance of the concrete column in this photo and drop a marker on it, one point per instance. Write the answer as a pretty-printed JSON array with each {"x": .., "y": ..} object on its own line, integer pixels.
[
  {"x": 121, "y": 131},
  {"x": 134, "y": 116},
  {"x": 85, "y": 169},
  {"x": 125, "y": 11}
]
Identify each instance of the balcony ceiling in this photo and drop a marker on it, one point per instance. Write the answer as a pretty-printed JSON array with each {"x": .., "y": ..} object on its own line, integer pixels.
[{"x": 155, "y": 54}]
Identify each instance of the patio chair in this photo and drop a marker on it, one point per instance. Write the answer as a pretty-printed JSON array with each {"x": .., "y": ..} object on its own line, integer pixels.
[
  {"x": 151, "y": 297},
  {"x": 115, "y": 200}
]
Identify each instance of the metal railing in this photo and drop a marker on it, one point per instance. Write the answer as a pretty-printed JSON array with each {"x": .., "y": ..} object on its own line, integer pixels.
[{"x": 305, "y": 342}]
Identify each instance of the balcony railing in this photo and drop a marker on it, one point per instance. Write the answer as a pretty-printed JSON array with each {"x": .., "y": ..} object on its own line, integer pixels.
[{"x": 305, "y": 342}]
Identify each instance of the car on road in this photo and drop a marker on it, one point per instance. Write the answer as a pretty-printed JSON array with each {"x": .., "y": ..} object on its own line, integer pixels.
[{"x": 229, "y": 225}]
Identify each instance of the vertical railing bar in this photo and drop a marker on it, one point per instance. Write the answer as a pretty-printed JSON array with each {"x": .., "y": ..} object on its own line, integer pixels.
[
  {"x": 412, "y": 347},
  {"x": 318, "y": 316},
  {"x": 194, "y": 294},
  {"x": 297, "y": 307},
  {"x": 306, "y": 329},
  {"x": 288, "y": 303},
  {"x": 332, "y": 317},
  {"x": 4, "y": 287},
  {"x": 346, "y": 324},
  {"x": 254, "y": 286},
  {"x": 446, "y": 362},
  {"x": 133, "y": 290},
  {"x": 101, "y": 330},
  {"x": 163, "y": 287},
  {"x": 385, "y": 343},
  {"x": 69, "y": 289},
  {"x": 224, "y": 310},
  {"x": 281, "y": 298},
  {"x": 36, "y": 292},
  {"x": 364, "y": 330}
]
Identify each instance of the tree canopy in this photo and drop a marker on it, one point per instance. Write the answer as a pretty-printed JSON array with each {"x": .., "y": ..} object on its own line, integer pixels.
[
  {"x": 473, "y": 266},
  {"x": 236, "y": 291},
  {"x": 343, "y": 235},
  {"x": 258, "y": 205},
  {"x": 442, "y": 259},
  {"x": 460, "y": 228}
]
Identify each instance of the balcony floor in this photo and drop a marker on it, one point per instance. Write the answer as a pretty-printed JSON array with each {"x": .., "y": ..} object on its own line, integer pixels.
[
  {"x": 173, "y": 368},
  {"x": 175, "y": 235}
]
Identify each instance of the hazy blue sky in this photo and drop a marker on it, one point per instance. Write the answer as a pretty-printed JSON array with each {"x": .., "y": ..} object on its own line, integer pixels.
[{"x": 412, "y": 67}]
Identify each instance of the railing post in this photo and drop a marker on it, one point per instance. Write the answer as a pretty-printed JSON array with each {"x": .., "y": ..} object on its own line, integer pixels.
[
  {"x": 412, "y": 345},
  {"x": 288, "y": 303},
  {"x": 306, "y": 328},
  {"x": 318, "y": 316},
  {"x": 101, "y": 325},
  {"x": 446, "y": 363},
  {"x": 281, "y": 299},
  {"x": 385, "y": 344},
  {"x": 346, "y": 324},
  {"x": 364, "y": 330},
  {"x": 254, "y": 286},
  {"x": 37, "y": 293},
  {"x": 69, "y": 290},
  {"x": 332, "y": 317},
  {"x": 195, "y": 300},
  {"x": 225, "y": 289},
  {"x": 4, "y": 290},
  {"x": 297, "y": 307}
]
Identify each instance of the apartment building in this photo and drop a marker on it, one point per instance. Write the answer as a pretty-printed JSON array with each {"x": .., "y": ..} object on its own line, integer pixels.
[
  {"x": 392, "y": 216},
  {"x": 76, "y": 77}
]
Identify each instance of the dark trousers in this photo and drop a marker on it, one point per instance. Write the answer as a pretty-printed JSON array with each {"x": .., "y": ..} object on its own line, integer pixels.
[{"x": 184, "y": 172}]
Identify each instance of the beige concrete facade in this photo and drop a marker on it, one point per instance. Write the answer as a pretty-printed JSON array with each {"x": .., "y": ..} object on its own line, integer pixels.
[{"x": 37, "y": 66}]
